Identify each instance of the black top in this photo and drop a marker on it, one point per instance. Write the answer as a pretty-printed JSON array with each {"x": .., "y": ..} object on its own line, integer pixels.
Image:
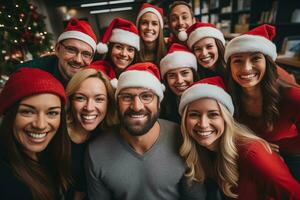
[{"x": 12, "y": 188}]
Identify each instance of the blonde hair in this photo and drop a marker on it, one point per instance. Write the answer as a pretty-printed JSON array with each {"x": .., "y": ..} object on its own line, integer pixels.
[
  {"x": 74, "y": 84},
  {"x": 224, "y": 168}
]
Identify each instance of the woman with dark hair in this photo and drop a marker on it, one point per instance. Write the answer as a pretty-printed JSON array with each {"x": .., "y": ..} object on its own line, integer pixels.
[
  {"x": 208, "y": 45},
  {"x": 150, "y": 25},
  {"x": 264, "y": 102},
  {"x": 178, "y": 69},
  {"x": 120, "y": 44},
  {"x": 90, "y": 110},
  {"x": 35, "y": 148},
  {"x": 216, "y": 146}
]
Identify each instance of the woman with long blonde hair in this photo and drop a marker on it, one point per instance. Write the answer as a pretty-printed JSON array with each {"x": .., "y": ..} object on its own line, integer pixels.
[
  {"x": 90, "y": 110},
  {"x": 216, "y": 146}
]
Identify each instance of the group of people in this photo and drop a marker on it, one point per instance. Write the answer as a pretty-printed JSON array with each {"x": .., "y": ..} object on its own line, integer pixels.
[{"x": 184, "y": 117}]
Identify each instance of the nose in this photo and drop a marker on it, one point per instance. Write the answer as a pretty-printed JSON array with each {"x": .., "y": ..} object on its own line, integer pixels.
[
  {"x": 40, "y": 123},
  {"x": 137, "y": 105},
  {"x": 124, "y": 52},
  {"x": 89, "y": 106},
  {"x": 180, "y": 21},
  {"x": 179, "y": 79},
  {"x": 248, "y": 65},
  {"x": 204, "y": 51},
  {"x": 203, "y": 122},
  {"x": 78, "y": 58}
]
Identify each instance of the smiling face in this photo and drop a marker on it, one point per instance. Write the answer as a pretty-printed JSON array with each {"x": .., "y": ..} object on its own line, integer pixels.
[
  {"x": 248, "y": 69},
  {"x": 180, "y": 19},
  {"x": 206, "y": 52},
  {"x": 149, "y": 27},
  {"x": 179, "y": 79},
  {"x": 89, "y": 103},
  {"x": 122, "y": 55},
  {"x": 37, "y": 121},
  {"x": 204, "y": 122},
  {"x": 136, "y": 117},
  {"x": 73, "y": 55}
]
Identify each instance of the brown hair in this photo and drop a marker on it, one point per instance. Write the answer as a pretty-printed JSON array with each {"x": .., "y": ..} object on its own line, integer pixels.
[
  {"x": 177, "y": 3},
  {"x": 159, "y": 52},
  {"x": 270, "y": 93},
  {"x": 46, "y": 177}
]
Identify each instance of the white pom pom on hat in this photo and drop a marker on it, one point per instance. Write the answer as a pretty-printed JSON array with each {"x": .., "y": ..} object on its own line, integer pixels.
[
  {"x": 102, "y": 48},
  {"x": 182, "y": 36}
]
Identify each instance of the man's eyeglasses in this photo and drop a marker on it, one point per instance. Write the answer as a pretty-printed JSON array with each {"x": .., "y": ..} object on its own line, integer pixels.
[
  {"x": 145, "y": 97},
  {"x": 85, "y": 55}
]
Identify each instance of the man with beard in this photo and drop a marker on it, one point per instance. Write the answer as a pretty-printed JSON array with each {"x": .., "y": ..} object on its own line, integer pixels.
[
  {"x": 138, "y": 159},
  {"x": 74, "y": 50}
]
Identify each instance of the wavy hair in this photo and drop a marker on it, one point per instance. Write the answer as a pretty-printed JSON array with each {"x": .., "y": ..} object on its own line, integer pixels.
[
  {"x": 224, "y": 167},
  {"x": 270, "y": 94},
  {"x": 46, "y": 177},
  {"x": 74, "y": 84}
]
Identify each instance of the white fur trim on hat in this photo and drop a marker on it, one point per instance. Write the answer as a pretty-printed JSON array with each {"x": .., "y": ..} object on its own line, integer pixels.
[
  {"x": 137, "y": 78},
  {"x": 80, "y": 36},
  {"x": 182, "y": 36},
  {"x": 250, "y": 43},
  {"x": 153, "y": 10},
  {"x": 125, "y": 37},
  {"x": 204, "y": 90},
  {"x": 177, "y": 59},
  {"x": 204, "y": 32},
  {"x": 102, "y": 48}
]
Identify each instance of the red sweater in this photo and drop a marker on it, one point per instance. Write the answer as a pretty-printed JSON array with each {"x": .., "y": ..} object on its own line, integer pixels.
[
  {"x": 264, "y": 175},
  {"x": 285, "y": 132}
]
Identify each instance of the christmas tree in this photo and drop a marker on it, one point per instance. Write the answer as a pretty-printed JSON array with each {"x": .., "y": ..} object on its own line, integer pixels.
[{"x": 23, "y": 34}]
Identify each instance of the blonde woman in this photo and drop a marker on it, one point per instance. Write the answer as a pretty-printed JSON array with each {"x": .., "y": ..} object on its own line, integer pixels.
[
  {"x": 90, "y": 109},
  {"x": 215, "y": 146}
]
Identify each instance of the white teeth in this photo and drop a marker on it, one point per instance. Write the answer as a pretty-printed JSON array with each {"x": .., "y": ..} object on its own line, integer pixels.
[
  {"x": 89, "y": 117},
  {"x": 204, "y": 133},
  {"x": 181, "y": 87},
  {"x": 137, "y": 116},
  {"x": 37, "y": 135},
  {"x": 206, "y": 58},
  {"x": 248, "y": 76}
]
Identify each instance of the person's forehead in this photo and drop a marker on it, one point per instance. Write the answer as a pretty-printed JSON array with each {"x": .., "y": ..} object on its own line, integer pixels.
[{"x": 180, "y": 10}]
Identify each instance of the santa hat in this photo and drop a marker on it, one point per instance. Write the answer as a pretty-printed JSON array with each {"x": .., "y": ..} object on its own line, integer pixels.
[
  {"x": 26, "y": 82},
  {"x": 120, "y": 31},
  {"x": 212, "y": 87},
  {"x": 200, "y": 30},
  {"x": 146, "y": 7},
  {"x": 178, "y": 56},
  {"x": 81, "y": 30},
  {"x": 107, "y": 69},
  {"x": 145, "y": 75},
  {"x": 258, "y": 39}
]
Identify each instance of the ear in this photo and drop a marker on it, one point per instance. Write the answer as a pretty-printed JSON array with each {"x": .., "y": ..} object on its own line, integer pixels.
[
  {"x": 194, "y": 20},
  {"x": 57, "y": 47}
]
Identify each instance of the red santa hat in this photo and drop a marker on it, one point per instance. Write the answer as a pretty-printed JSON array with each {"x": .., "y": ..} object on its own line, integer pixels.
[
  {"x": 212, "y": 87},
  {"x": 146, "y": 7},
  {"x": 81, "y": 30},
  {"x": 107, "y": 69},
  {"x": 198, "y": 31},
  {"x": 258, "y": 39},
  {"x": 145, "y": 75},
  {"x": 120, "y": 31},
  {"x": 178, "y": 56},
  {"x": 27, "y": 82}
]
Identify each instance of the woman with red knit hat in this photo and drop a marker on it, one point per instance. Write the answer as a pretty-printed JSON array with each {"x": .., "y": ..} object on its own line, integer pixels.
[
  {"x": 35, "y": 149},
  {"x": 265, "y": 103},
  {"x": 150, "y": 24},
  {"x": 120, "y": 44},
  {"x": 90, "y": 111},
  {"x": 216, "y": 146}
]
